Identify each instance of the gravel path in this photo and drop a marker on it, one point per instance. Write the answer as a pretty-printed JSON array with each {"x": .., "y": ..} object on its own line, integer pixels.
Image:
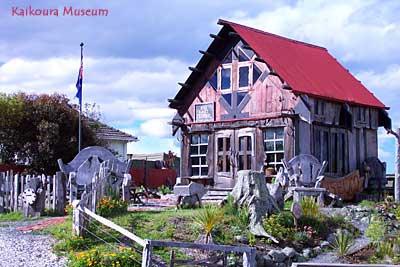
[{"x": 25, "y": 248}]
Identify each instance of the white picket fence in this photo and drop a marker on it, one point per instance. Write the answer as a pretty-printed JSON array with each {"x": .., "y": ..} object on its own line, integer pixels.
[{"x": 12, "y": 185}]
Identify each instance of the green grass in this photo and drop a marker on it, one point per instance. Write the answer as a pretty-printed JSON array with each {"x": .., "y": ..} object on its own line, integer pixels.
[
  {"x": 288, "y": 204},
  {"x": 13, "y": 217}
]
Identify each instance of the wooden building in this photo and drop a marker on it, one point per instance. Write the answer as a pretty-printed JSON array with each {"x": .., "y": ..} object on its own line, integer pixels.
[{"x": 255, "y": 98}]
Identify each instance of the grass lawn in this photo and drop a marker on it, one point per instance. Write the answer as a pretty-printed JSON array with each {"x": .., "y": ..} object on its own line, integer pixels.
[{"x": 13, "y": 217}]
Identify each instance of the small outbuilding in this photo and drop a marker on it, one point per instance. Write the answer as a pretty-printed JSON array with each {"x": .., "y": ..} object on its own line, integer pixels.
[{"x": 255, "y": 98}]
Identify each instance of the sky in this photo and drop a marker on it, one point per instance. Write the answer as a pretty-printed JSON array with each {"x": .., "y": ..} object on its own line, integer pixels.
[{"x": 135, "y": 56}]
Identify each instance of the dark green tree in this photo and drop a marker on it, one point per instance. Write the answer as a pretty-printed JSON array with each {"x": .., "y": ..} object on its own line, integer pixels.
[{"x": 36, "y": 130}]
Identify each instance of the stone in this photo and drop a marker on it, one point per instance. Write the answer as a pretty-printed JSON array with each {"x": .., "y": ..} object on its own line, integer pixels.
[
  {"x": 364, "y": 220},
  {"x": 289, "y": 252},
  {"x": 268, "y": 262},
  {"x": 307, "y": 253},
  {"x": 277, "y": 256},
  {"x": 325, "y": 245},
  {"x": 331, "y": 238},
  {"x": 317, "y": 250},
  {"x": 242, "y": 239}
]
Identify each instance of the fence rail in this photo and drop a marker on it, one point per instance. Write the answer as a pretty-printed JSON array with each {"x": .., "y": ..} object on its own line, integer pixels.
[
  {"x": 13, "y": 185},
  {"x": 81, "y": 215}
]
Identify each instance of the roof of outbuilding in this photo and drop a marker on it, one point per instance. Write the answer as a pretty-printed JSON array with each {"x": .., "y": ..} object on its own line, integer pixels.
[
  {"x": 306, "y": 68},
  {"x": 106, "y": 132}
]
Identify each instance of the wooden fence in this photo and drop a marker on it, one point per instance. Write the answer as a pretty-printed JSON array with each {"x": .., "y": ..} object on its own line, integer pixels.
[
  {"x": 81, "y": 215},
  {"x": 12, "y": 185}
]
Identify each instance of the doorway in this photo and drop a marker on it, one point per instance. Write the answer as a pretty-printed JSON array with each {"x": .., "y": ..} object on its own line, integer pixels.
[{"x": 234, "y": 152}]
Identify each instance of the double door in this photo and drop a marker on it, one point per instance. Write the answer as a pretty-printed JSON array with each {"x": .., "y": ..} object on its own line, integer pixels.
[{"x": 234, "y": 151}]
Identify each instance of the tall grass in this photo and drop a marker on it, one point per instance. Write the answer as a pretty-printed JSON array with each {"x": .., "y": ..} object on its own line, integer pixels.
[
  {"x": 309, "y": 207},
  {"x": 342, "y": 243}
]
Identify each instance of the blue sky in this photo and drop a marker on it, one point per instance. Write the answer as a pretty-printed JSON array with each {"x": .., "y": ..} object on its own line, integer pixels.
[{"x": 135, "y": 56}]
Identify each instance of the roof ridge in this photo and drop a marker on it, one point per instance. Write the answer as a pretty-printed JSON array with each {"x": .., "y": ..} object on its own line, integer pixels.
[{"x": 224, "y": 22}]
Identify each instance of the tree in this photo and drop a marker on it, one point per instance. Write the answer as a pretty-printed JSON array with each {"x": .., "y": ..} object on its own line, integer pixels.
[{"x": 36, "y": 130}]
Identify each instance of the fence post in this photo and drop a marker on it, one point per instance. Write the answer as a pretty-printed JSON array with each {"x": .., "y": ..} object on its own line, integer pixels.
[
  {"x": 125, "y": 187},
  {"x": 146, "y": 255},
  {"x": 397, "y": 168},
  {"x": 16, "y": 190},
  {"x": 1, "y": 192},
  {"x": 59, "y": 193},
  {"x": 249, "y": 258},
  {"x": 78, "y": 220}
]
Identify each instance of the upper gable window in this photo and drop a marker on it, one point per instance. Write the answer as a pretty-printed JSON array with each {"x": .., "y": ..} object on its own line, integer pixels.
[
  {"x": 244, "y": 76},
  {"x": 226, "y": 78}
]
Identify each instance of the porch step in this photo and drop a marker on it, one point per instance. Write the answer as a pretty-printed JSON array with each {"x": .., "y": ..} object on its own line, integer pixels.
[{"x": 216, "y": 195}]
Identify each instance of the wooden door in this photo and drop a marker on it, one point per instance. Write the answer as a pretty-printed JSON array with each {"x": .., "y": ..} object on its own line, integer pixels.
[{"x": 234, "y": 152}]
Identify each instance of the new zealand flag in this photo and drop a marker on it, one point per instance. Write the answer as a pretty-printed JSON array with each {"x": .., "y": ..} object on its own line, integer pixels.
[{"x": 79, "y": 85}]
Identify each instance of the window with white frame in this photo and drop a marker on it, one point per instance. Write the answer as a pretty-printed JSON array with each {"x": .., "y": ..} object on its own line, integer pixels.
[
  {"x": 198, "y": 154},
  {"x": 274, "y": 147}
]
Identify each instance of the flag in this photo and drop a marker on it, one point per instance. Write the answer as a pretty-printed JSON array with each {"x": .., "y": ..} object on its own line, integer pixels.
[{"x": 79, "y": 84}]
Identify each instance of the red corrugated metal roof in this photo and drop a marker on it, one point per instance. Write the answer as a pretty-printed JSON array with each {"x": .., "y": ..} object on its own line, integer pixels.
[{"x": 307, "y": 69}]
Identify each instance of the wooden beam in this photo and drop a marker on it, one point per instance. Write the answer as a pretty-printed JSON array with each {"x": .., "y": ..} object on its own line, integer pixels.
[
  {"x": 195, "y": 69},
  {"x": 206, "y": 53},
  {"x": 184, "y": 85},
  {"x": 233, "y": 34},
  {"x": 246, "y": 46},
  {"x": 216, "y": 37},
  {"x": 259, "y": 59},
  {"x": 272, "y": 72},
  {"x": 286, "y": 87},
  {"x": 174, "y": 101}
]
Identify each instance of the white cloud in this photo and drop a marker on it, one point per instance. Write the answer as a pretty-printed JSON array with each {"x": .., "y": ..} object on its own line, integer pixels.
[
  {"x": 156, "y": 128},
  {"x": 355, "y": 30}
]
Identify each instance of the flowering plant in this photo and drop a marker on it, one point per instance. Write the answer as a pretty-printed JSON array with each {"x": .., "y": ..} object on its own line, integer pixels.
[
  {"x": 110, "y": 206},
  {"x": 94, "y": 258}
]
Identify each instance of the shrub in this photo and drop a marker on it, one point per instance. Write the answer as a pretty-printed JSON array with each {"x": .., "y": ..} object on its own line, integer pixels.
[
  {"x": 397, "y": 213},
  {"x": 208, "y": 218},
  {"x": 275, "y": 226},
  {"x": 230, "y": 207},
  {"x": 109, "y": 206},
  {"x": 69, "y": 209},
  {"x": 163, "y": 190},
  {"x": 243, "y": 217},
  {"x": 300, "y": 237},
  {"x": 376, "y": 230},
  {"x": 316, "y": 224},
  {"x": 309, "y": 207},
  {"x": 342, "y": 243},
  {"x": 94, "y": 258},
  {"x": 367, "y": 204}
]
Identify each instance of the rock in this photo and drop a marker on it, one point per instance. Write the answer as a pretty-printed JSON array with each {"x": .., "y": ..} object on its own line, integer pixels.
[
  {"x": 277, "y": 256},
  {"x": 347, "y": 218},
  {"x": 317, "y": 250},
  {"x": 364, "y": 220},
  {"x": 307, "y": 253},
  {"x": 325, "y": 245},
  {"x": 242, "y": 239},
  {"x": 268, "y": 262},
  {"x": 289, "y": 252},
  {"x": 331, "y": 238}
]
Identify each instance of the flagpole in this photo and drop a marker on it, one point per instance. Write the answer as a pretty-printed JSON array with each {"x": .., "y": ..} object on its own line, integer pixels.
[{"x": 80, "y": 108}]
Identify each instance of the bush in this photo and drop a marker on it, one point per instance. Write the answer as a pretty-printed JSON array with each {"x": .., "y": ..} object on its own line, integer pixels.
[
  {"x": 309, "y": 207},
  {"x": 301, "y": 237},
  {"x": 163, "y": 190},
  {"x": 109, "y": 206},
  {"x": 276, "y": 226},
  {"x": 342, "y": 243},
  {"x": 125, "y": 257},
  {"x": 316, "y": 223},
  {"x": 376, "y": 230},
  {"x": 367, "y": 204}
]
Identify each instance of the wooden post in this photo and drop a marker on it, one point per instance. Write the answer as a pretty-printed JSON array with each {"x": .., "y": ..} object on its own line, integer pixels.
[
  {"x": 397, "y": 168},
  {"x": 1, "y": 192},
  {"x": 126, "y": 196},
  {"x": 249, "y": 258},
  {"x": 146, "y": 255},
  {"x": 59, "y": 193},
  {"x": 73, "y": 188},
  {"x": 16, "y": 190},
  {"x": 172, "y": 258},
  {"x": 396, "y": 134},
  {"x": 78, "y": 220}
]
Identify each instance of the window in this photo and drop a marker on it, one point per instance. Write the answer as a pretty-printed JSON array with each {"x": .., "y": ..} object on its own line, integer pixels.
[
  {"x": 223, "y": 153},
  {"x": 198, "y": 154},
  {"x": 361, "y": 114},
  {"x": 225, "y": 78},
  {"x": 274, "y": 146},
  {"x": 245, "y": 152},
  {"x": 244, "y": 76}
]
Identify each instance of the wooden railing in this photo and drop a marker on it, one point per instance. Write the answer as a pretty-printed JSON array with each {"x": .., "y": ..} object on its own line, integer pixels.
[{"x": 81, "y": 215}]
